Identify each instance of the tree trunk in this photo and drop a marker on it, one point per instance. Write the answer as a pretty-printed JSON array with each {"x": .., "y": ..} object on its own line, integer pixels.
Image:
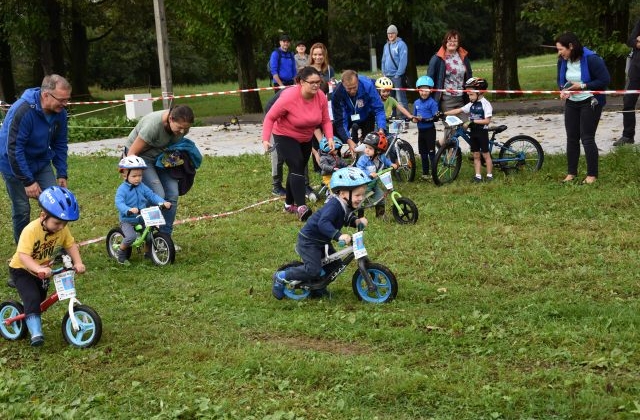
[
  {"x": 79, "y": 53},
  {"x": 615, "y": 23},
  {"x": 7, "y": 82},
  {"x": 247, "y": 77},
  {"x": 51, "y": 48},
  {"x": 505, "y": 58}
]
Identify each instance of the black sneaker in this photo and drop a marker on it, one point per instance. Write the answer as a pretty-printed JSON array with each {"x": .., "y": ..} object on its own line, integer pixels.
[
  {"x": 476, "y": 180},
  {"x": 622, "y": 141},
  {"x": 278, "y": 190}
]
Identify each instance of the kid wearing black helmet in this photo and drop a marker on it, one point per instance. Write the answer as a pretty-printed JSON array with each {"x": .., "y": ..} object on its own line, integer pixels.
[
  {"x": 373, "y": 159},
  {"x": 40, "y": 242},
  {"x": 480, "y": 112},
  {"x": 349, "y": 186}
]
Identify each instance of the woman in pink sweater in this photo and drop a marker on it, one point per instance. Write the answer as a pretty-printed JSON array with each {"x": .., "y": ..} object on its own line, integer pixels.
[{"x": 292, "y": 119}]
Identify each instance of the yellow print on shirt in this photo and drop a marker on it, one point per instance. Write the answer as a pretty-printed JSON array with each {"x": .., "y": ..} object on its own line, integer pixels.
[{"x": 45, "y": 250}]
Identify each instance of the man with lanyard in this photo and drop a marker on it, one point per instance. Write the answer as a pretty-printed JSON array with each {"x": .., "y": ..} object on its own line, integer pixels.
[
  {"x": 394, "y": 63},
  {"x": 356, "y": 101}
]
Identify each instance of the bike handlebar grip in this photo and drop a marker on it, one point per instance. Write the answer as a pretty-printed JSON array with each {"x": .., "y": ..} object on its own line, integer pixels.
[
  {"x": 341, "y": 243},
  {"x": 361, "y": 227}
]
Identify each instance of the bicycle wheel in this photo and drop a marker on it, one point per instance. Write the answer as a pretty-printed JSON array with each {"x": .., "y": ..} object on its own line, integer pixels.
[
  {"x": 522, "y": 153},
  {"x": 90, "y": 327},
  {"x": 113, "y": 241},
  {"x": 293, "y": 292},
  {"x": 384, "y": 280},
  {"x": 17, "y": 329},
  {"x": 406, "y": 158},
  {"x": 408, "y": 213},
  {"x": 447, "y": 163},
  {"x": 163, "y": 251}
]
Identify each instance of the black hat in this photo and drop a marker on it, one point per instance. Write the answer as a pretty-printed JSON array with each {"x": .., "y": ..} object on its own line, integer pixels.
[
  {"x": 300, "y": 43},
  {"x": 285, "y": 37}
]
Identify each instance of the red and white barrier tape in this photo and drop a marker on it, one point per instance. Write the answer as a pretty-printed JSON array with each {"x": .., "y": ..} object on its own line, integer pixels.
[{"x": 195, "y": 219}]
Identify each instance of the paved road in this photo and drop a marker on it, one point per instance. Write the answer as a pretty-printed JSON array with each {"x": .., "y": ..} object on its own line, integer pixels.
[{"x": 542, "y": 120}]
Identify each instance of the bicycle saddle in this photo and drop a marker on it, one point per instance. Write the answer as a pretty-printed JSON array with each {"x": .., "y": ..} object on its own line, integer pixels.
[{"x": 498, "y": 129}]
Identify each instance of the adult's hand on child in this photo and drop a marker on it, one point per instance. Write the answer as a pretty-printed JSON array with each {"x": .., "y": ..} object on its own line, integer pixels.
[{"x": 33, "y": 190}]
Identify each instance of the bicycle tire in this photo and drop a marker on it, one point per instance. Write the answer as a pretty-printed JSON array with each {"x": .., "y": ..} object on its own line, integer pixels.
[
  {"x": 113, "y": 241},
  {"x": 292, "y": 292},
  {"x": 163, "y": 251},
  {"x": 383, "y": 278},
  {"x": 90, "y": 325},
  {"x": 406, "y": 171},
  {"x": 532, "y": 154},
  {"x": 16, "y": 330},
  {"x": 446, "y": 164},
  {"x": 409, "y": 211}
]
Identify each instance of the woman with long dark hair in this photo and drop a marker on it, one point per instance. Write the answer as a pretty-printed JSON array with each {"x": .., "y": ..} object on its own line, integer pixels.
[{"x": 581, "y": 71}]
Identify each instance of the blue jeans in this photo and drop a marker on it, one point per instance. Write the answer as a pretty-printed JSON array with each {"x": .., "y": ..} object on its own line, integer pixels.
[
  {"x": 400, "y": 95},
  {"x": 163, "y": 184},
  {"x": 20, "y": 207}
]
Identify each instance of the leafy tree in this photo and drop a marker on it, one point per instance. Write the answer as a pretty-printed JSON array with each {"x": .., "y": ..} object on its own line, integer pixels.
[{"x": 600, "y": 25}]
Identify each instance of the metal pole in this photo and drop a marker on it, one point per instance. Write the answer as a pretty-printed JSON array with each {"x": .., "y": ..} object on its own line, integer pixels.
[{"x": 163, "y": 53}]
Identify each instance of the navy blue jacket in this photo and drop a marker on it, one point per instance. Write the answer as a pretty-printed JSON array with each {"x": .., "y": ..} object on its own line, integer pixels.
[
  {"x": 594, "y": 73},
  {"x": 325, "y": 224},
  {"x": 30, "y": 142}
]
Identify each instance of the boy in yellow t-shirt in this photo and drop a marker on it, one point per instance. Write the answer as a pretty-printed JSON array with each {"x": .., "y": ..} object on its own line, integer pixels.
[{"x": 39, "y": 243}]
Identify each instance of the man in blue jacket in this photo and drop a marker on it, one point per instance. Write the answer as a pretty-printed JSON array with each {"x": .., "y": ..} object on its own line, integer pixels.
[
  {"x": 283, "y": 64},
  {"x": 32, "y": 138},
  {"x": 394, "y": 63},
  {"x": 356, "y": 101}
]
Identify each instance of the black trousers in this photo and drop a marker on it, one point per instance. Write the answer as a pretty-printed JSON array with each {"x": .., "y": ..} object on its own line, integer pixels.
[
  {"x": 581, "y": 121},
  {"x": 296, "y": 156}
]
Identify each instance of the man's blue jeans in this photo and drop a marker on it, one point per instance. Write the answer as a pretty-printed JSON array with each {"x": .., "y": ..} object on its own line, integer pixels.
[
  {"x": 166, "y": 186},
  {"x": 20, "y": 206}
]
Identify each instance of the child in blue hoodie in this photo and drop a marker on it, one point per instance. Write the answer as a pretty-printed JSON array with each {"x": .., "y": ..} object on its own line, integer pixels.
[{"x": 131, "y": 196}]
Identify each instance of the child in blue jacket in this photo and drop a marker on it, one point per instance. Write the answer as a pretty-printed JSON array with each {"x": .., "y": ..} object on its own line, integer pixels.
[
  {"x": 349, "y": 186},
  {"x": 425, "y": 111},
  {"x": 131, "y": 196}
]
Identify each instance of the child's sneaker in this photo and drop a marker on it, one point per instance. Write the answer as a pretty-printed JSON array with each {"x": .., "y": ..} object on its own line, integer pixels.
[
  {"x": 121, "y": 256},
  {"x": 291, "y": 208},
  {"x": 277, "y": 290},
  {"x": 37, "y": 340},
  {"x": 310, "y": 194},
  {"x": 304, "y": 212}
]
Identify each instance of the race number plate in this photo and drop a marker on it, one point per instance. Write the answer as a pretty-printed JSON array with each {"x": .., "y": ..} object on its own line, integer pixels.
[
  {"x": 359, "y": 250},
  {"x": 65, "y": 285},
  {"x": 152, "y": 216}
]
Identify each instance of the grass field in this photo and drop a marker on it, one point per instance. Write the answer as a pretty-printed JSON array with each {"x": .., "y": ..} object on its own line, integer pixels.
[{"x": 518, "y": 300}]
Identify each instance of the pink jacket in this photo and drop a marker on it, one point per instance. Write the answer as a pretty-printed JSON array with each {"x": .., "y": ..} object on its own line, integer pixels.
[{"x": 295, "y": 117}]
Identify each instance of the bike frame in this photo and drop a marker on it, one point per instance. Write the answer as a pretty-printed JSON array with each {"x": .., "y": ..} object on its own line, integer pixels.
[
  {"x": 461, "y": 132},
  {"x": 49, "y": 302}
]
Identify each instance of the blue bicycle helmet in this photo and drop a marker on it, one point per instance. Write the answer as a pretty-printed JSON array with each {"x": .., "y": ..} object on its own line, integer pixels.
[
  {"x": 324, "y": 144},
  {"x": 425, "y": 81},
  {"x": 348, "y": 179},
  {"x": 60, "y": 203}
]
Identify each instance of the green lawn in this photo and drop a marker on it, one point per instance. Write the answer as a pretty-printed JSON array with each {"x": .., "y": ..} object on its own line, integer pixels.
[{"x": 518, "y": 299}]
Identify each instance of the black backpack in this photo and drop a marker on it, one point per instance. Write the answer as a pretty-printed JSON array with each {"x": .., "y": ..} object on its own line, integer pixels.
[{"x": 280, "y": 54}]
